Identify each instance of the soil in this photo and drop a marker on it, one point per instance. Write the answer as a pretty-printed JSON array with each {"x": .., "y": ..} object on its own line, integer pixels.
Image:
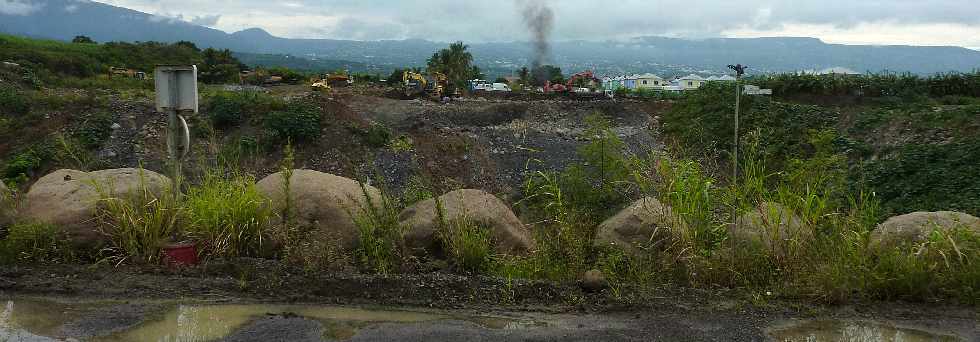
[{"x": 668, "y": 314}]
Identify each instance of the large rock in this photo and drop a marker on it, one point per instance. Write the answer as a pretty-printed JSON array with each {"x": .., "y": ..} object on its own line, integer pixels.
[
  {"x": 771, "y": 226},
  {"x": 422, "y": 221},
  {"x": 321, "y": 202},
  {"x": 68, "y": 198},
  {"x": 916, "y": 227},
  {"x": 642, "y": 224}
]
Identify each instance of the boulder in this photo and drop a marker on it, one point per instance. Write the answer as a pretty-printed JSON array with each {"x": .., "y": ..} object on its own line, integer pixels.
[
  {"x": 642, "y": 223},
  {"x": 321, "y": 202},
  {"x": 771, "y": 226},
  {"x": 421, "y": 221},
  {"x": 68, "y": 198},
  {"x": 916, "y": 227},
  {"x": 593, "y": 281}
]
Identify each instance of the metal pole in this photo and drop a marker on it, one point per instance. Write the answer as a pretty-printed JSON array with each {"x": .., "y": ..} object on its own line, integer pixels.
[
  {"x": 738, "y": 94},
  {"x": 172, "y": 134}
]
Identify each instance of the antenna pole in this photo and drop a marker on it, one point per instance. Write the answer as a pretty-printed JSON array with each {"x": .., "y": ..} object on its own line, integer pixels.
[{"x": 739, "y": 71}]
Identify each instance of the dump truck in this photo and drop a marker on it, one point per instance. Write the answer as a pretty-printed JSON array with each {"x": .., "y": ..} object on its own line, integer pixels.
[{"x": 417, "y": 85}]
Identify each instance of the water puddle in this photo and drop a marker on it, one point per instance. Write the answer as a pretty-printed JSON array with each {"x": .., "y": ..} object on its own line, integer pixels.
[
  {"x": 30, "y": 321},
  {"x": 843, "y": 331}
]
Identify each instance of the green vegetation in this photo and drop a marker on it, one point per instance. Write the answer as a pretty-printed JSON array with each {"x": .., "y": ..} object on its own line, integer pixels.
[
  {"x": 52, "y": 61},
  {"x": 138, "y": 225},
  {"x": 94, "y": 130},
  {"x": 905, "y": 86},
  {"x": 381, "y": 248},
  {"x": 456, "y": 63},
  {"x": 468, "y": 244},
  {"x": 35, "y": 243},
  {"x": 228, "y": 217},
  {"x": 299, "y": 121},
  {"x": 229, "y": 109},
  {"x": 13, "y": 102}
]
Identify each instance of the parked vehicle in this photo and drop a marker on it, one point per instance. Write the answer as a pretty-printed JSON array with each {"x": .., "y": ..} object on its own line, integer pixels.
[{"x": 500, "y": 87}]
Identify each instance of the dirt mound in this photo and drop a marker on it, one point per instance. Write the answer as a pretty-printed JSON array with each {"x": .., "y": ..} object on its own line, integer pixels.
[
  {"x": 644, "y": 222},
  {"x": 321, "y": 202},
  {"x": 422, "y": 221},
  {"x": 916, "y": 227},
  {"x": 68, "y": 198}
]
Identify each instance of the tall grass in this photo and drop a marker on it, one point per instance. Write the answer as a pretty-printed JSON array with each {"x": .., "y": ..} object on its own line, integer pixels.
[
  {"x": 468, "y": 244},
  {"x": 228, "y": 217},
  {"x": 381, "y": 247},
  {"x": 36, "y": 243},
  {"x": 139, "y": 224}
]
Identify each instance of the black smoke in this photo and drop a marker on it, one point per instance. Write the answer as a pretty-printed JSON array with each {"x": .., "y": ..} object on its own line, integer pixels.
[{"x": 540, "y": 20}]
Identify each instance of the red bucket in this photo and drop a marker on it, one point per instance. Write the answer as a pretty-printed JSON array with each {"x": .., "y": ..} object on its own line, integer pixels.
[{"x": 180, "y": 255}]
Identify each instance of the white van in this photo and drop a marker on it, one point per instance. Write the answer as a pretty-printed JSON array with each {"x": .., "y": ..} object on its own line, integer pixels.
[{"x": 501, "y": 87}]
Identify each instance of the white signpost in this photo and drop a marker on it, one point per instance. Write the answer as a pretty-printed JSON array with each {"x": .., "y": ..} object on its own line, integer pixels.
[{"x": 176, "y": 92}]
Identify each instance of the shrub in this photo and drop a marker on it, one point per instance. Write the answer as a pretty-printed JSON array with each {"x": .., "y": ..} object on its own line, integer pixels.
[
  {"x": 381, "y": 247},
  {"x": 137, "y": 226},
  {"x": 228, "y": 217},
  {"x": 468, "y": 244},
  {"x": 227, "y": 109},
  {"x": 13, "y": 102},
  {"x": 95, "y": 130},
  {"x": 377, "y": 135},
  {"x": 36, "y": 243},
  {"x": 300, "y": 121}
]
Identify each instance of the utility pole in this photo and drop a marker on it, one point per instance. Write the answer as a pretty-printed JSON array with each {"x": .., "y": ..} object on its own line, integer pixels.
[{"x": 739, "y": 71}]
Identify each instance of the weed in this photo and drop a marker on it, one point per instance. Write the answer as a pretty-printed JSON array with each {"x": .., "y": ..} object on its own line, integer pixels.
[
  {"x": 467, "y": 243},
  {"x": 381, "y": 246},
  {"x": 377, "y": 135},
  {"x": 418, "y": 189},
  {"x": 13, "y": 102},
  {"x": 94, "y": 130},
  {"x": 36, "y": 243},
  {"x": 137, "y": 225},
  {"x": 299, "y": 121},
  {"x": 401, "y": 144},
  {"x": 228, "y": 217}
]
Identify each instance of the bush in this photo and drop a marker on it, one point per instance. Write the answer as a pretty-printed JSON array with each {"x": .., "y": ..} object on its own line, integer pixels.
[
  {"x": 300, "y": 121},
  {"x": 381, "y": 247},
  {"x": 228, "y": 217},
  {"x": 13, "y": 102},
  {"x": 36, "y": 243},
  {"x": 469, "y": 245},
  {"x": 377, "y": 135},
  {"x": 227, "y": 109},
  {"x": 95, "y": 130},
  {"x": 137, "y": 226}
]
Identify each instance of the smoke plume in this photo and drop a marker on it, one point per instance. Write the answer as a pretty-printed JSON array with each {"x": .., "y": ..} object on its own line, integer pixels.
[{"x": 539, "y": 19}]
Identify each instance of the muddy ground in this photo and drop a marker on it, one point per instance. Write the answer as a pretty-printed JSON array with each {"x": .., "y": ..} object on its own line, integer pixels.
[{"x": 667, "y": 314}]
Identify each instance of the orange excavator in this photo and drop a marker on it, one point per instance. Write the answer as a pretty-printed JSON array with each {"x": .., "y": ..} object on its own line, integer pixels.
[{"x": 573, "y": 82}]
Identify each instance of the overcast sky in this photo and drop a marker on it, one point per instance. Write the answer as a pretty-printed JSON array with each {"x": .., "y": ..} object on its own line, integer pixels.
[{"x": 915, "y": 22}]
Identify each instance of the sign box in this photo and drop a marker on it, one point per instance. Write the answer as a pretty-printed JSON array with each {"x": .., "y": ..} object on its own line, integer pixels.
[{"x": 176, "y": 87}]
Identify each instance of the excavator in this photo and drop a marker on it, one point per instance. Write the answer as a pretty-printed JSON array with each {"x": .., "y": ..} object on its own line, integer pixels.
[
  {"x": 329, "y": 81},
  {"x": 573, "y": 81},
  {"x": 417, "y": 84}
]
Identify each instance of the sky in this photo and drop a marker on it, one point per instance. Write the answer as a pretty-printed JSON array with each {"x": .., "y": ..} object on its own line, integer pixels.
[{"x": 911, "y": 22}]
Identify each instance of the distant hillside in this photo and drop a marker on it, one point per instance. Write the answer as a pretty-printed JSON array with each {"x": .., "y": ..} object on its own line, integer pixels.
[
  {"x": 299, "y": 63},
  {"x": 63, "y": 19}
]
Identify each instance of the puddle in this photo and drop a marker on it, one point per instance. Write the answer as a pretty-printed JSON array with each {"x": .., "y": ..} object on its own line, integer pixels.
[
  {"x": 28, "y": 320},
  {"x": 840, "y": 331}
]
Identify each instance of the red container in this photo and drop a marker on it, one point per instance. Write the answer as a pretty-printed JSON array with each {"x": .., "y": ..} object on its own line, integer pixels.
[{"x": 180, "y": 255}]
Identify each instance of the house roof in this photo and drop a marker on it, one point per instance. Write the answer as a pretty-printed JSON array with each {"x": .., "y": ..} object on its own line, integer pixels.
[
  {"x": 692, "y": 77},
  {"x": 649, "y": 75}
]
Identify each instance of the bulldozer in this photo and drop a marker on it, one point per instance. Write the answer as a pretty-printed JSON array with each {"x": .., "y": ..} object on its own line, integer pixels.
[
  {"x": 320, "y": 85},
  {"x": 417, "y": 85}
]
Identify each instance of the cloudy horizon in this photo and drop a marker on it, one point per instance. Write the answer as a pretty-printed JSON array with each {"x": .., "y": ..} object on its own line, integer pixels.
[{"x": 895, "y": 22}]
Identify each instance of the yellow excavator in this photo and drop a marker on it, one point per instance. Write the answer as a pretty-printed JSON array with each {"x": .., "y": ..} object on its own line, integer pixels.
[{"x": 418, "y": 84}]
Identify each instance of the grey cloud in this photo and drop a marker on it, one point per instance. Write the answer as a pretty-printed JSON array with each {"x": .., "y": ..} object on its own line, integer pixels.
[
  {"x": 498, "y": 20},
  {"x": 205, "y": 20},
  {"x": 19, "y": 7}
]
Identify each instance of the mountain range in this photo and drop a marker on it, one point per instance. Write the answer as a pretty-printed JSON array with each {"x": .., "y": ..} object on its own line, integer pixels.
[{"x": 65, "y": 19}]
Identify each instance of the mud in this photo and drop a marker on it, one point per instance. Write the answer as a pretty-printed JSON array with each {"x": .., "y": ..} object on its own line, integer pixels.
[{"x": 247, "y": 300}]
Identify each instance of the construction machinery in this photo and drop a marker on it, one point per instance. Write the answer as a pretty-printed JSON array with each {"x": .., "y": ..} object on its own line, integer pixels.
[
  {"x": 320, "y": 85},
  {"x": 431, "y": 84}
]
